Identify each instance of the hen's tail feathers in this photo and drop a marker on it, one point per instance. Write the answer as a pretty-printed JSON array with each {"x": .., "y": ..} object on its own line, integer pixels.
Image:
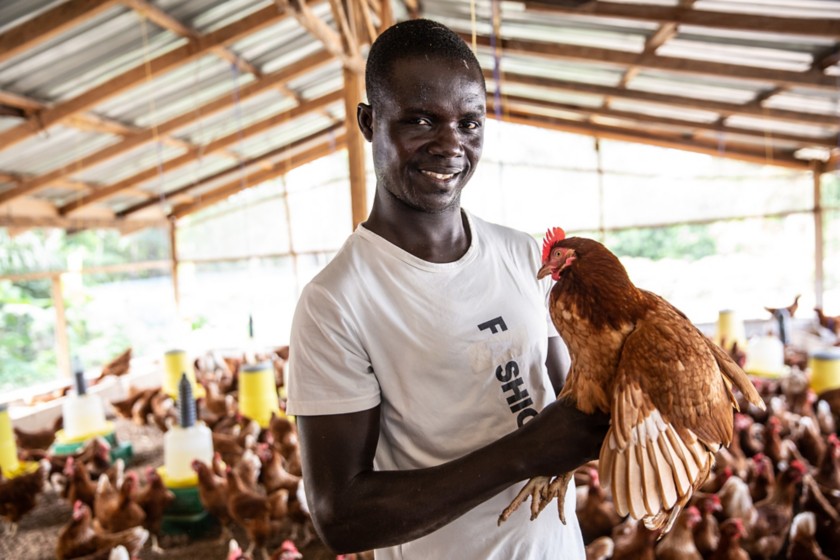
[{"x": 733, "y": 373}]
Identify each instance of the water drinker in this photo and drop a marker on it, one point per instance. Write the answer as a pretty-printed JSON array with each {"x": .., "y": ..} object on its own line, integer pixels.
[
  {"x": 84, "y": 414},
  {"x": 765, "y": 357},
  {"x": 186, "y": 442},
  {"x": 258, "y": 393}
]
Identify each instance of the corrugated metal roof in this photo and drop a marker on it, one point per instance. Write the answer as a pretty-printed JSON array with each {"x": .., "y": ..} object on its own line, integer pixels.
[{"x": 576, "y": 66}]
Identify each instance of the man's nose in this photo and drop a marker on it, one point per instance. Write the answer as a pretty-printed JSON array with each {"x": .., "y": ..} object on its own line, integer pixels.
[{"x": 446, "y": 142}]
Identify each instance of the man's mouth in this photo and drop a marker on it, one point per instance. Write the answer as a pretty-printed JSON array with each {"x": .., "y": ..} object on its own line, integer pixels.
[{"x": 437, "y": 176}]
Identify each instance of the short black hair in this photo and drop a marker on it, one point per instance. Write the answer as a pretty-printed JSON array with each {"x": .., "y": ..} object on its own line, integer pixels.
[{"x": 409, "y": 39}]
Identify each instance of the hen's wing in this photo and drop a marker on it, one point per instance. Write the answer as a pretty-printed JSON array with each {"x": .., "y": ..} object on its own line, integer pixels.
[{"x": 671, "y": 411}]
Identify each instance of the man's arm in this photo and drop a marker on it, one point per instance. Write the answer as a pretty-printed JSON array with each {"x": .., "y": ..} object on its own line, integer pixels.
[
  {"x": 557, "y": 362},
  {"x": 356, "y": 508}
]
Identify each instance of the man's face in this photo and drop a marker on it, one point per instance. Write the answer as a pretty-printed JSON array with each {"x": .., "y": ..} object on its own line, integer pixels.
[{"x": 428, "y": 132}]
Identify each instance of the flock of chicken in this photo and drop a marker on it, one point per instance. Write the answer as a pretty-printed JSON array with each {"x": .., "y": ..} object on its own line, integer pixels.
[
  {"x": 773, "y": 494},
  {"x": 253, "y": 482}
]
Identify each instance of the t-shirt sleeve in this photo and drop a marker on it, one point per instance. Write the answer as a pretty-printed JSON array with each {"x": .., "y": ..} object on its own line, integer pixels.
[{"x": 329, "y": 371}]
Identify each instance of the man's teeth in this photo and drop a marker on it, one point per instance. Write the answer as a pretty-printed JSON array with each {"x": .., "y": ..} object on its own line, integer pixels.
[{"x": 438, "y": 176}]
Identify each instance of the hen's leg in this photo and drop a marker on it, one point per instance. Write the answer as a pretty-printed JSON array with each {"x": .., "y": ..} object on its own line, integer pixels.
[
  {"x": 557, "y": 489},
  {"x": 535, "y": 488}
]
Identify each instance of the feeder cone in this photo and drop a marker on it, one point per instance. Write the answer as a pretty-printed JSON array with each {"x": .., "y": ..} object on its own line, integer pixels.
[
  {"x": 258, "y": 393},
  {"x": 825, "y": 370},
  {"x": 175, "y": 364},
  {"x": 8, "y": 448},
  {"x": 730, "y": 328}
]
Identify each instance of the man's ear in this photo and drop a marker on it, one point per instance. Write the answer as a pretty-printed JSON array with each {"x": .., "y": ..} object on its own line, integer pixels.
[{"x": 364, "y": 116}]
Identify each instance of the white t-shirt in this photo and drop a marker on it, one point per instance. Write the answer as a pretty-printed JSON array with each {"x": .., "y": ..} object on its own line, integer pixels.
[{"x": 455, "y": 355}]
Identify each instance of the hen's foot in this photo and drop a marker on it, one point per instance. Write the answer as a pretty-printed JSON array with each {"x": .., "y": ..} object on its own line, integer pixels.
[
  {"x": 533, "y": 489},
  {"x": 557, "y": 489}
]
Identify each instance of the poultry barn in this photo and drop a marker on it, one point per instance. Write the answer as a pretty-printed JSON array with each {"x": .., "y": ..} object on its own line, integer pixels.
[{"x": 174, "y": 173}]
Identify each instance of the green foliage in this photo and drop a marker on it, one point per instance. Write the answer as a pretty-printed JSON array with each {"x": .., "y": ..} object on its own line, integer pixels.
[
  {"x": 27, "y": 314},
  {"x": 690, "y": 242},
  {"x": 26, "y": 355}
]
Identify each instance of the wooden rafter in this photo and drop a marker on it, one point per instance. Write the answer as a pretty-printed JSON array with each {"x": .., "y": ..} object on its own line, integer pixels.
[
  {"x": 49, "y": 24},
  {"x": 140, "y": 73},
  {"x": 815, "y": 27},
  {"x": 31, "y": 109},
  {"x": 555, "y": 51},
  {"x": 664, "y": 33},
  {"x": 145, "y": 136},
  {"x": 664, "y": 141},
  {"x": 668, "y": 99},
  {"x": 830, "y": 141},
  {"x": 75, "y": 223},
  {"x": 332, "y": 41},
  {"x": 223, "y": 192},
  {"x": 166, "y": 21},
  {"x": 266, "y": 161},
  {"x": 214, "y": 146}
]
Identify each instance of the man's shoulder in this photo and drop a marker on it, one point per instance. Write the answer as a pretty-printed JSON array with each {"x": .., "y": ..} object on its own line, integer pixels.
[{"x": 501, "y": 235}]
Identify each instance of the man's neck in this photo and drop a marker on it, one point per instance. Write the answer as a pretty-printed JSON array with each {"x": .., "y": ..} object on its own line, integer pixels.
[{"x": 434, "y": 237}]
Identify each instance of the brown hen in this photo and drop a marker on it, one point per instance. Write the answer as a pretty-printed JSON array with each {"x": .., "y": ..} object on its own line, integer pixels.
[{"x": 668, "y": 388}]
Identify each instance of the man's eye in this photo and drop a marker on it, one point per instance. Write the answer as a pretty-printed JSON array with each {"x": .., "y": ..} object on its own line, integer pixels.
[
  {"x": 471, "y": 125},
  {"x": 421, "y": 122}
]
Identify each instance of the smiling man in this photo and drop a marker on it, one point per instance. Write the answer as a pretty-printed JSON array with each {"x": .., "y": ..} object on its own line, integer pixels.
[{"x": 423, "y": 366}]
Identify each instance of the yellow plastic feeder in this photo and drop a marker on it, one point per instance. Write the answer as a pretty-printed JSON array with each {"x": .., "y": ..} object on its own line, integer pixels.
[
  {"x": 8, "y": 448},
  {"x": 825, "y": 370},
  {"x": 730, "y": 328},
  {"x": 258, "y": 393},
  {"x": 176, "y": 363}
]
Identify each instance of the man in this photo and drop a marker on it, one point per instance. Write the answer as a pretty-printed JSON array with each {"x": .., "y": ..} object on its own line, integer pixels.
[{"x": 420, "y": 355}]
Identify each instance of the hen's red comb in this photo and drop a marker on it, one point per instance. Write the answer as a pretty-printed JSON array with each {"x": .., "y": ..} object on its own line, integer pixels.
[{"x": 552, "y": 236}]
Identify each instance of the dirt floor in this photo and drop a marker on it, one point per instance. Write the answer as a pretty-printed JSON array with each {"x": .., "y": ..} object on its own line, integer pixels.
[{"x": 38, "y": 531}]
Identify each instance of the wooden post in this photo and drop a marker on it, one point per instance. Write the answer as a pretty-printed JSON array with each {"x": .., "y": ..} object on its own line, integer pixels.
[
  {"x": 173, "y": 246},
  {"x": 62, "y": 344},
  {"x": 355, "y": 146},
  {"x": 819, "y": 244}
]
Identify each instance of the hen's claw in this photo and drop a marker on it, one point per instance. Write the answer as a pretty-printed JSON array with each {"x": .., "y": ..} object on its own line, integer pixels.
[{"x": 534, "y": 488}]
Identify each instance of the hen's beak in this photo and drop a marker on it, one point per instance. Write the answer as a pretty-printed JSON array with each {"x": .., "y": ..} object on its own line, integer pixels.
[{"x": 544, "y": 271}]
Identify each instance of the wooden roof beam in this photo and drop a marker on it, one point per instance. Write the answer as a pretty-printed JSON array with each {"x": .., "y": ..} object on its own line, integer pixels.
[
  {"x": 221, "y": 193},
  {"x": 556, "y": 51},
  {"x": 76, "y": 223},
  {"x": 668, "y": 121},
  {"x": 166, "y": 21},
  {"x": 31, "y": 109},
  {"x": 814, "y": 27},
  {"x": 331, "y": 40},
  {"x": 143, "y": 72},
  {"x": 266, "y": 161},
  {"x": 145, "y": 136},
  {"x": 49, "y": 24},
  {"x": 798, "y": 117},
  {"x": 190, "y": 156},
  {"x": 662, "y": 35},
  {"x": 663, "y": 141}
]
